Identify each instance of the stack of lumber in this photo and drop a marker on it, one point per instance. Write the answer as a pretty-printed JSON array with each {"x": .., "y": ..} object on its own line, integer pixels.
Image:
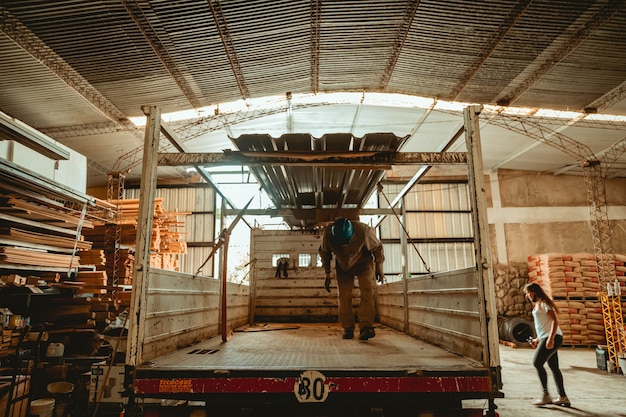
[
  {"x": 124, "y": 298},
  {"x": 27, "y": 236},
  {"x": 71, "y": 314},
  {"x": 49, "y": 277},
  {"x": 125, "y": 266},
  {"x": 24, "y": 256},
  {"x": 100, "y": 312},
  {"x": 20, "y": 281},
  {"x": 97, "y": 278},
  {"x": 572, "y": 280},
  {"x": 164, "y": 261},
  {"x": 64, "y": 313},
  {"x": 51, "y": 213},
  {"x": 166, "y": 239},
  {"x": 39, "y": 232},
  {"x": 92, "y": 257},
  {"x": 165, "y": 225},
  {"x": 98, "y": 235}
]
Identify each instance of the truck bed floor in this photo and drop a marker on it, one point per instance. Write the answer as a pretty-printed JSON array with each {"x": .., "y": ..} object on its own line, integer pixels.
[{"x": 280, "y": 346}]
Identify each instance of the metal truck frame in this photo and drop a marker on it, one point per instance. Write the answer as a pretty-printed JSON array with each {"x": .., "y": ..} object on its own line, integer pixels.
[{"x": 174, "y": 350}]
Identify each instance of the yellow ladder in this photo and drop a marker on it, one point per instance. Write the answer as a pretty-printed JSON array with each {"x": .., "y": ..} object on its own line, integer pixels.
[{"x": 613, "y": 328}]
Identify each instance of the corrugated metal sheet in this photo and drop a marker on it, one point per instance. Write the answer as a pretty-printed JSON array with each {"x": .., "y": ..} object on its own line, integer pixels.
[
  {"x": 439, "y": 225},
  {"x": 302, "y": 187},
  {"x": 445, "y": 256},
  {"x": 438, "y": 196},
  {"x": 444, "y": 211},
  {"x": 195, "y": 256},
  {"x": 438, "y": 218},
  {"x": 183, "y": 199}
]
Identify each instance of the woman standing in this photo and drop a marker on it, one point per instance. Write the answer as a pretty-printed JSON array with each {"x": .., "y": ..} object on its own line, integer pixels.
[{"x": 549, "y": 339}]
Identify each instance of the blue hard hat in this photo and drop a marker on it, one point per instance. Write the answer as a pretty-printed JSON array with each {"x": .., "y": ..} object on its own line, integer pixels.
[{"x": 342, "y": 231}]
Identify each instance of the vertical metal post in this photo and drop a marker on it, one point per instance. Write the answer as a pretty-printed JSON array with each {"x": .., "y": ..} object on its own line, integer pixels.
[
  {"x": 478, "y": 200},
  {"x": 113, "y": 231},
  {"x": 224, "y": 288},
  {"x": 253, "y": 278},
  {"x": 221, "y": 273},
  {"x": 147, "y": 193},
  {"x": 405, "y": 267}
]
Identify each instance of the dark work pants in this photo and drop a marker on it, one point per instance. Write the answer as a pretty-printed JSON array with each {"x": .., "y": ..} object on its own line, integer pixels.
[
  {"x": 543, "y": 355},
  {"x": 345, "y": 284}
]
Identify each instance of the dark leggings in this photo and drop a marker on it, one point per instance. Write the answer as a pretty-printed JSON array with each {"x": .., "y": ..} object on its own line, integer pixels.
[{"x": 543, "y": 354}]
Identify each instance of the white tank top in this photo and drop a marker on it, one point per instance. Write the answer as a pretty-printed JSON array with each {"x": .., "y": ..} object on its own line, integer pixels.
[{"x": 543, "y": 322}]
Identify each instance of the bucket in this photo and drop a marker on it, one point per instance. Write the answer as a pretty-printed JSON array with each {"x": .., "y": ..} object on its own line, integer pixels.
[
  {"x": 622, "y": 365},
  {"x": 60, "y": 388},
  {"x": 61, "y": 392},
  {"x": 601, "y": 357},
  {"x": 43, "y": 407},
  {"x": 516, "y": 329}
]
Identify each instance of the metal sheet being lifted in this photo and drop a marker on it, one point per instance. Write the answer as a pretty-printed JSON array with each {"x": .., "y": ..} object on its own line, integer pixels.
[{"x": 316, "y": 187}]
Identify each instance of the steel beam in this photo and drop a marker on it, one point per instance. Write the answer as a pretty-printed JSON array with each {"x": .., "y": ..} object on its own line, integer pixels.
[{"x": 349, "y": 160}]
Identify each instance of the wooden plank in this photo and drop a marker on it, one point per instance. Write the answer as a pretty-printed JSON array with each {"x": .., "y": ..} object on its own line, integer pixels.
[
  {"x": 37, "y": 224},
  {"x": 17, "y": 243},
  {"x": 42, "y": 213},
  {"x": 43, "y": 238},
  {"x": 13, "y": 255}
]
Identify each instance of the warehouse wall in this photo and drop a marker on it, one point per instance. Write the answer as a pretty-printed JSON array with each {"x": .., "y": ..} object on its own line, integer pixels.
[
  {"x": 532, "y": 212},
  {"x": 71, "y": 173}
]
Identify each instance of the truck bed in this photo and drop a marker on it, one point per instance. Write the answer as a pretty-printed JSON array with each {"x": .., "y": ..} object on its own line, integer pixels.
[
  {"x": 278, "y": 346},
  {"x": 279, "y": 363}
]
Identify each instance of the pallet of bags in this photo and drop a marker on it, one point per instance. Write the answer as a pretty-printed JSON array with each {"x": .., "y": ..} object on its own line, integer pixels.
[
  {"x": 595, "y": 322},
  {"x": 620, "y": 272},
  {"x": 578, "y": 323},
  {"x": 549, "y": 273},
  {"x": 564, "y": 322}
]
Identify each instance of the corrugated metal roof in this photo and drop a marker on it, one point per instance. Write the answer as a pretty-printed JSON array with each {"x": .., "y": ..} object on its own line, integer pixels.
[{"x": 79, "y": 69}]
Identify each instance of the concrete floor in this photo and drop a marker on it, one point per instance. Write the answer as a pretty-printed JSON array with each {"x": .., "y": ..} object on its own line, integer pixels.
[{"x": 592, "y": 391}]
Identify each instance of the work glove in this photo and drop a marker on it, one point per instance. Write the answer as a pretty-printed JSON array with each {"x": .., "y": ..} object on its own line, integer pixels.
[
  {"x": 380, "y": 277},
  {"x": 327, "y": 283}
]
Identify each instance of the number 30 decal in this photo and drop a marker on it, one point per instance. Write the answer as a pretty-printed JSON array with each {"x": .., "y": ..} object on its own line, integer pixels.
[{"x": 310, "y": 387}]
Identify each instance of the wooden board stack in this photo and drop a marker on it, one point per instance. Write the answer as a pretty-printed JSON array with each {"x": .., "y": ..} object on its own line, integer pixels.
[
  {"x": 126, "y": 263},
  {"x": 94, "y": 257},
  {"x": 25, "y": 256},
  {"x": 39, "y": 232},
  {"x": 166, "y": 240},
  {"x": 572, "y": 280}
]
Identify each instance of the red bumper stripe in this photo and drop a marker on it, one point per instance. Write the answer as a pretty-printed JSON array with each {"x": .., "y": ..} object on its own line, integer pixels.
[{"x": 473, "y": 384}]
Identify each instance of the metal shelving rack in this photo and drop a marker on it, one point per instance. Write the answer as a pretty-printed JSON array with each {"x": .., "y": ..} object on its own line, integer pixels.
[{"x": 21, "y": 375}]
